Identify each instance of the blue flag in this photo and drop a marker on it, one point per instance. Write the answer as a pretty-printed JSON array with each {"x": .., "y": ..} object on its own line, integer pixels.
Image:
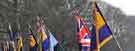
[
  {"x": 53, "y": 42},
  {"x": 45, "y": 44},
  {"x": 102, "y": 31}
]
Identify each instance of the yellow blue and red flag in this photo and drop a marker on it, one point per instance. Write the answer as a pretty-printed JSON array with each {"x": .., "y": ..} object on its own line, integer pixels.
[{"x": 101, "y": 32}]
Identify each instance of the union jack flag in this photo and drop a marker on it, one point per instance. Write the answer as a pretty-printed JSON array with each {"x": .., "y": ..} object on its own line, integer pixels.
[{"x": 83, "y": 34}]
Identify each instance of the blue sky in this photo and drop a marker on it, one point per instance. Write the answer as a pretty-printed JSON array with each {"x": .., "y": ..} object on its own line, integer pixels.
[{"x": 127, "y": 6}]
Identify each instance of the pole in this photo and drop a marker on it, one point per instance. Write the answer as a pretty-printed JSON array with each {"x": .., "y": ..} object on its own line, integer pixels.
[
  {"x": 97, "y": 39},
  {"x": 117, "y": 43},
  {"x": 116, "y": 40}
]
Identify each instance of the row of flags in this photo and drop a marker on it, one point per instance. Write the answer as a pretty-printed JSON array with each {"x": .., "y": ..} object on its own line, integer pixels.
[
  {"x": 99, "y": 35},
  {"x": 44, "y": 41}
]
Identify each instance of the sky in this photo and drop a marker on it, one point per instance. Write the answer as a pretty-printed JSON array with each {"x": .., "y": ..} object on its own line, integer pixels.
[{"x": 127, "y": 6}]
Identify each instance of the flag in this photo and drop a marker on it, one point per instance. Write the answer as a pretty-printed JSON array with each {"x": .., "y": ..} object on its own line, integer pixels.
[
  {"x": 53, "y": 42},
  {"x": 12, "y": 38},
  {"x": 83, "y": 33},
  {"x": 19, "y": 40},
  {"x": 93, "y": 38},
  {"x": 33, "y": 42},
  {"x": 10, "y": 32},
  {"x": 43, "y": 37},
  {"x": 41, "y": 31},
  {"x": 102, "y": 31},
  {"x": 20, "y": 44},
  {"x": 45, "y": 43},
  {"x": 12, "y": 46}
]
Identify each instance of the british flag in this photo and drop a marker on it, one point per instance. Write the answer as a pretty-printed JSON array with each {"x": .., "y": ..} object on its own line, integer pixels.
[{"x": 83, "y": 33}]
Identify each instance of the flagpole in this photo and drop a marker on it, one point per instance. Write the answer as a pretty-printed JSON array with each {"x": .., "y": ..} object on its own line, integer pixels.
[
  {"x": 117, "y": 41},
  {"x": 97, "y": 41}
]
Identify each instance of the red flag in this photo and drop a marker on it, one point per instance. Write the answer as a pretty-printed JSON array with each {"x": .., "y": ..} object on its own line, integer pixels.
[{"x": 83, "y": 32}]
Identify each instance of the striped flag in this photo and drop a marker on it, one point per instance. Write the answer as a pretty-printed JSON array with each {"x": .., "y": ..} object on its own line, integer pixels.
[{"x": 83, "y": 34}]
